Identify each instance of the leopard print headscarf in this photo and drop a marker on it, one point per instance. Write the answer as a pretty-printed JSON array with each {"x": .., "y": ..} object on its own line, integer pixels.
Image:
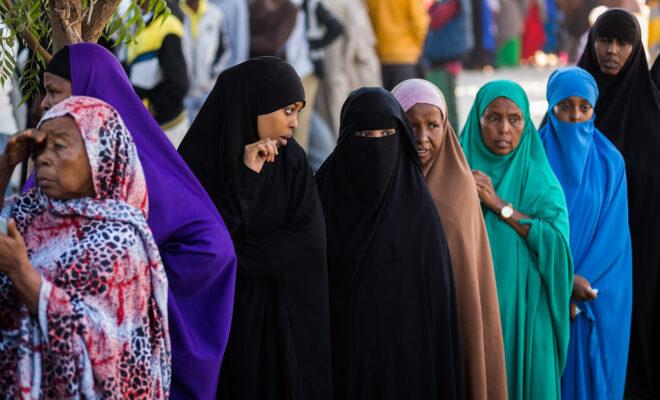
[{"x": 102, "y": 328}]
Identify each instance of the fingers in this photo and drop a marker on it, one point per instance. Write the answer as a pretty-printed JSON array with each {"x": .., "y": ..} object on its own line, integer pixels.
[
  {"x": 270, "y": 149},
  {"x": 12, "y": 231},
  {"x": 573, "y": 311}
]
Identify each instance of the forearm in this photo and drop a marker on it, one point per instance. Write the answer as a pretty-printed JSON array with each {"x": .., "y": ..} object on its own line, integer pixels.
[
  {"x": 514, "y": 219},
  {"x": 27, "y": 282}
]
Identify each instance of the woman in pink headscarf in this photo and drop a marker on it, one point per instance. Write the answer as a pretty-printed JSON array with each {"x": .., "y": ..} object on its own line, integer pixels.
[{"x": 452, "y": 187}]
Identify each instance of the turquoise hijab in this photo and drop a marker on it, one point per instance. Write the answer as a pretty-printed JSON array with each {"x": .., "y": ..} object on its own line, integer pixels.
[{"x": 535, "y": 274}]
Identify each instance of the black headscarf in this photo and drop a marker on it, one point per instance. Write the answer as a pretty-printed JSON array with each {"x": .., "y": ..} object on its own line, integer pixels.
[
  {"x": 393, "y": 312},
  {"x": 628, "y": 107},
  {"x": 279, "y": 341},
  {"x": 628, "y": 113},
  {"x": 60, "y": 64},
  {"x": 227, "y": 122}
]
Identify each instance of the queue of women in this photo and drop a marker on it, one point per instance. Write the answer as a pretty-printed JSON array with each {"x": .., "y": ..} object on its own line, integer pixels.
[{"x": 501, "y": 262}]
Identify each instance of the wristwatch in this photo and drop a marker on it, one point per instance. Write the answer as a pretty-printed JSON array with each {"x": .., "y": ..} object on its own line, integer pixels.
[{"x": 507, "y": 211}]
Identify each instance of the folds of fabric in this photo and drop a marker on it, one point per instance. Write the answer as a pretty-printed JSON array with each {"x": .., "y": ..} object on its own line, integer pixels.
[
  {"x": 193, "y": 241},
  {"x": 627, "y": 113},
  {"x": 592, "y": 173},
  {"x": 534, "y": 275},
  {"x": 451, "y": 184},
  {"x": 394, "y": 323},
  {"x": 279, "y": 347},
  {"x": 101, "y": 329}
]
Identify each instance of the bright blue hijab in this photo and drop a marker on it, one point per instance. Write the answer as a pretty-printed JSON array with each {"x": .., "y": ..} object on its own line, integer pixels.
[{"x": 592, "y": 173}]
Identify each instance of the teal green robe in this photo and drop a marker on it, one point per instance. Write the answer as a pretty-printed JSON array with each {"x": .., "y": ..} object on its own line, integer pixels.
[{"x": 534, "y": 275}]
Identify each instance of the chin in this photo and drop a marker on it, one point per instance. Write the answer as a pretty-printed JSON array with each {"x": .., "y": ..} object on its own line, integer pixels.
[{"x": 502, "y": 152}]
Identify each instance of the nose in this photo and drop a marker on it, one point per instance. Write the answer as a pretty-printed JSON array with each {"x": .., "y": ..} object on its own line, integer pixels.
[
  {"x": 46, "y": 103},
  {"x": 43, "y": 158},
  {"x": 611, "y": 48},
  {"x": 505, "y": 127},
  {"x": 421, "y": 136},
  {"x": 294, "y": 122}
]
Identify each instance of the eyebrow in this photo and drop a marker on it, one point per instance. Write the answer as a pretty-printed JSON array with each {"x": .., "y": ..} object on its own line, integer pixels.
[{"x": 59, "y": 134}]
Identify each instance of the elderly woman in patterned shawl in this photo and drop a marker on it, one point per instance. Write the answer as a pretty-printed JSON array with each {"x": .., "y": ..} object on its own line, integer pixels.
[{"x": 83, "y": 291}]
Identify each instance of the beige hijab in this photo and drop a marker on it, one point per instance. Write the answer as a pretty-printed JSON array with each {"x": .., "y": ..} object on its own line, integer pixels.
[{"x": 452, "y": 186}]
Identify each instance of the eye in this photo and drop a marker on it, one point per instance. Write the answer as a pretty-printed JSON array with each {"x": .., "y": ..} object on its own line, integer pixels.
[
  {"x": 362, "y": 133},
  {"x": 288, "y": 111},
  {"x": 585, "y": 107},
  {"x": 492, "y": 118},
  {"x": 433, "y": 125},
  {"x": 564, "y": 106},
  {"x": 389, "y": 132}
]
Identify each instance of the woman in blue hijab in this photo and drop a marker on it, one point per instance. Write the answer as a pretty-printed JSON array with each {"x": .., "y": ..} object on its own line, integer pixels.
[{"x": 592, "y": 173}]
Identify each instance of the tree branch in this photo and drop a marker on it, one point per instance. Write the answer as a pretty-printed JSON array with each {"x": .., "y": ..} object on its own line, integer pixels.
[
  {"x": 93, "y": 26},
  {"x": 66, "y": 22},
  {"x": 27, "y": 36}
]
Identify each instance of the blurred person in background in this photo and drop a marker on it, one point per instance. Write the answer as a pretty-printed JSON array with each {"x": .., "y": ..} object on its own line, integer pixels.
[
  {"x": 510, "y": 21},
  {"x": 400, "y": 27},
  {"x": 237, "y": 28},
  {"x": 449, "y": 39},
  {"x": 206, "y": 49},
  {"x": 351, "y": 61},
  {"x": 316, "y": 28},
  {"x": 157, "y": 69}
]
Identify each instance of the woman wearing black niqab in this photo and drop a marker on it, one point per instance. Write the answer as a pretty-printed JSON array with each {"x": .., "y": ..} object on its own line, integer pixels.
[
  {"x": 628, "y": 113},
  {"x": 394, "y": 326},
  {"x": 279, "y": 345}
]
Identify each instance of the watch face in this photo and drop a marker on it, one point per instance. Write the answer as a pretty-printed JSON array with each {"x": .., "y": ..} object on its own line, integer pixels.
[{"x": 507, "y": 211}]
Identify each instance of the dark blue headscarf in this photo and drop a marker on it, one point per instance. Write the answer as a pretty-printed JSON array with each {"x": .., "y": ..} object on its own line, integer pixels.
[{"x": 592, "y": 173}]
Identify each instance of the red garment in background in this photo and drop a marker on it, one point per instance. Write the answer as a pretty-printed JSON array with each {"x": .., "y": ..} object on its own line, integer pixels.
[
  {"x": 534, "y": 33},
  {"x": 442, "y": 12}
]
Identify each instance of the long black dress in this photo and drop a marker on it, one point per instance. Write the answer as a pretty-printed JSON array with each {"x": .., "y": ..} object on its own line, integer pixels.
[
  {"x": 628, "y": 113},
  {"x": 394, "y": 326},
  {"x": 279, "y": 345}
]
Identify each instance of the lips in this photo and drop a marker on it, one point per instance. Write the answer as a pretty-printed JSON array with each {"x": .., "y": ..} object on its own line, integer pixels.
[
  {"x": 503, "y": 144},
  {"x": 610, "y": 64},
  {"x": 44, "y": 182},
  {"x": 423, "y": 152}
]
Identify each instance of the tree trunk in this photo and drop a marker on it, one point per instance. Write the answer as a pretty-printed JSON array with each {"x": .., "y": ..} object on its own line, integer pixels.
[
  {"x": 66, "y": 22},
  {"x": 101, "y": 14}
]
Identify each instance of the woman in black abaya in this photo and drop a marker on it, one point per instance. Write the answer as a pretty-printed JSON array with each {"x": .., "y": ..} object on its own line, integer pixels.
[
  {"x": 628, "y": 113},
  {"x": 393, "y": 313},
  {"x": 240, "y": 148}
]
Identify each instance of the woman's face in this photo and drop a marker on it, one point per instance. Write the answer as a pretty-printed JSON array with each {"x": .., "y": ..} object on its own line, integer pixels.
[
  {"x": 502, "y": 125},
  {"x": 57, "y": 89},
  {"x": 427, "y": 123},
  {"x": 62, "y": 168},
  {"x": 376, "y": 133},
  {"x": 573, "y": 109},
  {"x": 280, "y": 123},
  {"x": 612, "y": 54}
]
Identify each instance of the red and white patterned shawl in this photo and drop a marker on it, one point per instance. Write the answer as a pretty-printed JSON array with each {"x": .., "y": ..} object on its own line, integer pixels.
[{"x": 101, "y": 330}]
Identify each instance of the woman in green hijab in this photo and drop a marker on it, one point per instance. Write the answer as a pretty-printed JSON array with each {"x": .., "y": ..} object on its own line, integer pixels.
[{"x": 527, "y": 222}]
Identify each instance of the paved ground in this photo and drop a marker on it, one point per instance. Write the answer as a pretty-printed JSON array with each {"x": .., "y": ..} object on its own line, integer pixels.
[{"x": 533, "y": 80}]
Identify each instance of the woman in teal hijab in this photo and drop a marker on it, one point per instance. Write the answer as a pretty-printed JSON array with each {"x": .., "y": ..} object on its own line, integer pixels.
[{"x": 527, "y": 222}]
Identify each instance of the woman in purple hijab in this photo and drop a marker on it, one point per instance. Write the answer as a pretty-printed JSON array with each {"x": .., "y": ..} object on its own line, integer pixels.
[{"x": 193, "y": 240}]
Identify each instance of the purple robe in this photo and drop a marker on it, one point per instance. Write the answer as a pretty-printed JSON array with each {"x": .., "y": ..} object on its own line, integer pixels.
[{"x": 194, "y": 243}]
